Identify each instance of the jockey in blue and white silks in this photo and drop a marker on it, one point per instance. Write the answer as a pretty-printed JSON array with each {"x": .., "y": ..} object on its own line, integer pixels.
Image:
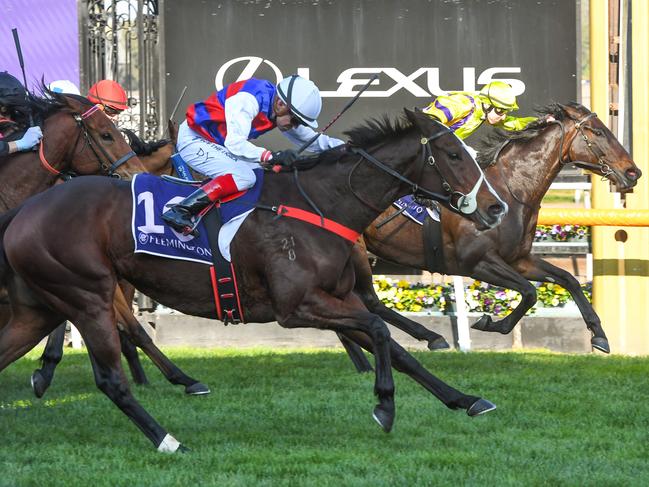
[{"x": 215, "y": 137}]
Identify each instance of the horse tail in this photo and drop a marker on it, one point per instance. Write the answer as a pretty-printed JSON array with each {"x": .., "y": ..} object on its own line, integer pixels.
[{"x": 5, "y": 219}]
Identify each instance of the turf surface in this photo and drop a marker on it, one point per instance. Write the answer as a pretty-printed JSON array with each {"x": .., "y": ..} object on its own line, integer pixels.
[{"x": 304, "y": 418}]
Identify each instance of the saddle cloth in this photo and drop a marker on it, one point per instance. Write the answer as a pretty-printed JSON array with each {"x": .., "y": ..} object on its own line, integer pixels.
[
  {"x": 415, "y": 211},
  {"x": 152, "y": 196}
]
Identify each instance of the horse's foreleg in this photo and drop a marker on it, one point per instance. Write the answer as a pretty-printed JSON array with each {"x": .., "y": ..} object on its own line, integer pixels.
[
  {"x": 140, "y": 338},
  {"x": 129, "y": 351},
  {"x": 496, "y": 271},
  {"x": 52, "y": 355},
  {"x": 365, "y": 290},
  {"x": 323, "y": 311},
  {"x": 536, "y": 269},
  {"x": 407, "y": 364},
  {"x": 25, "y": 329}
]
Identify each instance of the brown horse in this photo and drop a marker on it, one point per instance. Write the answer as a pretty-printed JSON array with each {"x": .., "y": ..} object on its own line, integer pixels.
[
  {"x": 155, "y": 159},
  {"x": 309, "y": 287},
  {"x": 521, "y": 166}
]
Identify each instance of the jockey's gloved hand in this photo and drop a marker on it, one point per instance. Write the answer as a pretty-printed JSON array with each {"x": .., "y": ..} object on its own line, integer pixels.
[
  {"x": 284, "y": 157},
  {"x": 30, "y": 139}
]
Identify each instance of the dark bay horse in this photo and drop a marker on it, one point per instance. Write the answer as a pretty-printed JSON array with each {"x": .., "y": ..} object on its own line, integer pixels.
[
  {"x": 154, "y": 158},
  {"x": 521, "y": 166},
  {"x": 309, "y": 287}
]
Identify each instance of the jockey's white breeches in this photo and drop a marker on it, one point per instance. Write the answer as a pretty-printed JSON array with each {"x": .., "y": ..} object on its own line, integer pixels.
[{"x": 212, "y": 159}]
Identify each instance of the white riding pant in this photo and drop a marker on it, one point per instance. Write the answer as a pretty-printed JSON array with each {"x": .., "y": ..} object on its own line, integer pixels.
[{"x": 212, "y": 159}]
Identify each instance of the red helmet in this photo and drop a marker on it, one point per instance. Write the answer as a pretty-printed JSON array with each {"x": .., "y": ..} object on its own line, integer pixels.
[{"x": 108, "y": 93}]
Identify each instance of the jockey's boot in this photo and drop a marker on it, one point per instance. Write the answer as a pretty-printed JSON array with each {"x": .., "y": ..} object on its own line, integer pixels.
[{"x": 185, "y": 216}]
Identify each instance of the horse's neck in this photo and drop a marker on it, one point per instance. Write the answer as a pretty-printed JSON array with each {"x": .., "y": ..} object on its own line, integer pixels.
[
  {"x": 327, "y": 185},
  {"x": 22, "y": 176},
  {"x": 530, "y": 178}
]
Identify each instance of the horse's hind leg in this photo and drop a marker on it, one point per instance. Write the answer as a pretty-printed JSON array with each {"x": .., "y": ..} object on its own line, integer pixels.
[
  {"x": 52, "y": 355},
  {"x": 364, "y": 288},
  {"x": 536, "y": 269},
  {"x": 407, "y": 364},
  {"x": 140, "y": 338},
  {"x": 100, "y": 336}
]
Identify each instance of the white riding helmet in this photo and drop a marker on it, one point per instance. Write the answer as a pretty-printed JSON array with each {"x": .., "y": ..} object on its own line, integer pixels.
[
  {"x": 64, "y": 86},
  {"x": 302, "y": 97}
]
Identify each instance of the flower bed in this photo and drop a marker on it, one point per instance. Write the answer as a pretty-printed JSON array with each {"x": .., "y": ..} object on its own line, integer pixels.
[
  {"x": 561, "y": 233},
  {"x": 480, "y": 296}
]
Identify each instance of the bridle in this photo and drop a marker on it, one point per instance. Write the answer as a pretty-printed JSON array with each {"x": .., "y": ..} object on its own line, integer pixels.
[
  {"x": 105, "y": 162},
  {"x": 602, "y": 164},
  {"x": 462, "y": 203}
]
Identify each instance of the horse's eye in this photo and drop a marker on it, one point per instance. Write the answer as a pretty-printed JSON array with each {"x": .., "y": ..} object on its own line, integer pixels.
[
  {"x": 598, "y": 132},
  {"x": 454, "y": 156},
  {"x": 107, "y": 136}
]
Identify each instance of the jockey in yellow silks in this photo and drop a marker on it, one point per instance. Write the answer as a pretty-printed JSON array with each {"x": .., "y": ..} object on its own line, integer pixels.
[{"x": 464, "y": 111}]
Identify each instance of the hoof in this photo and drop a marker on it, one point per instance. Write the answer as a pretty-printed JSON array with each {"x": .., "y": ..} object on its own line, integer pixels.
[
  {"x": 384, "y": 418},
  {"x": 39, "y": 384},
  {"x": 182, "y": 449},
  {"x": 483, "y": 323},
  {"x": 481, "y": 406},
  {"x": 438, "y": 343},
  {"x": 601, "y": 344},
  {"x": 197, "y": 389}
]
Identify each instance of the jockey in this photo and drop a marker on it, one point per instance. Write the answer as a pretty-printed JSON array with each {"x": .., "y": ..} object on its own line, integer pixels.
[
  {"x": 110, "y": 96},
  {"x": 214, "y": 138},
  {"x": 13, "y": 98},
  {"x": 465, "y": 111}
]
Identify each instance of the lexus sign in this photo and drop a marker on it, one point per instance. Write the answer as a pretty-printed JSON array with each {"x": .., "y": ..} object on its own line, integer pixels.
[{"x": 419, "y": 49}]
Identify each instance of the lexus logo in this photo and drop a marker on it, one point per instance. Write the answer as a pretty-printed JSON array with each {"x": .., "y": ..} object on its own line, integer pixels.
[{"x": 423, "y": 82}]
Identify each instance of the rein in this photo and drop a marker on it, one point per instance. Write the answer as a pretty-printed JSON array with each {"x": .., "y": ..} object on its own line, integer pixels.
[
  {"x": 109, "y": 167},
  {"x": 466, "y": 203}
]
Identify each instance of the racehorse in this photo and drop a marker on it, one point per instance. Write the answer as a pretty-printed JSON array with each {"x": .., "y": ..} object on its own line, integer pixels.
[
  {"x": 312, "y": 286},
  {"x": 64, "y": 157},
  {"x": 521, "y": 166}
]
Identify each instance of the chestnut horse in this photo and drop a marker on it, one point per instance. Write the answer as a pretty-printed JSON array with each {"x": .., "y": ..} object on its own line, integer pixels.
[
  {"x": 154, "y": 158},
  {"x": 309, "y": 287},
  {"x": 521, "y": 166}
]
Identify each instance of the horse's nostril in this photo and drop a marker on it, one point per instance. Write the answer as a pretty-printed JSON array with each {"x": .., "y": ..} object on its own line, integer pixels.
[
  {"x": 632, "y": 174},
  {"x": 496, "y": 210}
]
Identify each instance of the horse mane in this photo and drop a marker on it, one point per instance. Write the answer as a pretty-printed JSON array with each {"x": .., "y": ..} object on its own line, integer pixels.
[
  {"x": 43, "y": 104},
  {"x": 496, "y": 140},
  {"x": 142, "y": 148},
  {"x": 377, "y": 130}
]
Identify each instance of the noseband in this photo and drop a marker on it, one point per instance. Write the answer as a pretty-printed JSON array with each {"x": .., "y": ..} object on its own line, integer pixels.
[
  {"x": 602, "y": 164},
  {"x": 465, "y": 203},
  {"x": 90, "y": 141}
]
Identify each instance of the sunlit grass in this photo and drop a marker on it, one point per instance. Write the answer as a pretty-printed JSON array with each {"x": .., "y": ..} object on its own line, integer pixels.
[{"x": 303, "y": 417}]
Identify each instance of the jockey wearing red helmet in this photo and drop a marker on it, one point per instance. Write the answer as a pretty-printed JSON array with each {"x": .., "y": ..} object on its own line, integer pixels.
[{"x": 110, "y": 95}]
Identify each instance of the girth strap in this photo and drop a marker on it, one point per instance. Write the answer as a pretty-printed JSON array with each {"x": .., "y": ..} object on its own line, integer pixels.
[
  {"x": 433, "y": 245},
  {"x": 222, "y": 274},
  {"x": 318, "y": 221}
]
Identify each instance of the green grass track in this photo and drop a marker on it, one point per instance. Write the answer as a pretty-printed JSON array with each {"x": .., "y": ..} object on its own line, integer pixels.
[{"x": 301, "y": 417}]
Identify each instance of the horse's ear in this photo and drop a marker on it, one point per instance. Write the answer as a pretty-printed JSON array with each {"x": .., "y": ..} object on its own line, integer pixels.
[
  {"x": 419, "y": 119},
  {"x": 173, "y": 130},
  {"x": 413, "y": 116}
]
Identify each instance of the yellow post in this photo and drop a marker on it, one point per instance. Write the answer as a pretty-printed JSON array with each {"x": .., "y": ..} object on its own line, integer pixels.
[
  {"x": 620, "y": 265},
  {"x": 637, "y": 245}
]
